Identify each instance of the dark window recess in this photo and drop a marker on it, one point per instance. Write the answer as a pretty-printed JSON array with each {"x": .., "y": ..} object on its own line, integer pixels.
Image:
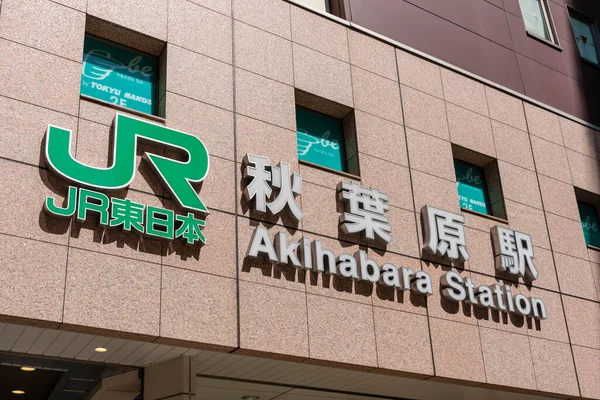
[
  {"x": 326, "y": 133},
  {"x": 585, "y": 32},
  {"x": 478, "y": 183},
  {"x": 588, "y": 204}
]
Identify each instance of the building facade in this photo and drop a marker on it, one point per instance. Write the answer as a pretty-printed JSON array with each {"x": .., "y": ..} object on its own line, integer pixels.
[{"x": 225, "y": 199}]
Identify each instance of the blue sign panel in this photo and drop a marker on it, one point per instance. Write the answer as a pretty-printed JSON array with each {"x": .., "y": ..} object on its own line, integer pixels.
[
  {"x": 119, "y": 76},
  {"x": 320, "y": 139},
  {"x": 589, "y": 223},
  {"x": 471, "y": 186}
]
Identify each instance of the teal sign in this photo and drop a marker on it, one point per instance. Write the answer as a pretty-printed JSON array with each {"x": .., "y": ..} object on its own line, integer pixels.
[
  {"x": 589, "y": 223},
  {"x": 119, "y": 76},
  {"x": 320, "y": 139},
  {"x": 472, "y": 189},
  {"x": 177, "y": 176}
]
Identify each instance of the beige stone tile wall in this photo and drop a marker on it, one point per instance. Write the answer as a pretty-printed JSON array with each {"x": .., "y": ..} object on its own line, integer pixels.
[{"x": 231, "y": 77}]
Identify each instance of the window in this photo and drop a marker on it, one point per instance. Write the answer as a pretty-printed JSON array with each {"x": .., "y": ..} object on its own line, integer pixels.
[
  {"x": 589, "y": 223},
  {"x": 119, "y": 75},
  {"x": 472, "y": 188},
  {"x": 478, "y": 183},
  {"x": 326, "y": 133},
  {"x": 585, "y": 32},
  {"x": 537, "y": 19},
  {"x": 320, "y": 139}
]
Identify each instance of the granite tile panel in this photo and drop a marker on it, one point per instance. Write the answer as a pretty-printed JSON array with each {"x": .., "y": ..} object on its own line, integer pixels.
[
  {"x": 355, "y": 342},
  {"x": 199, "y": 77},
  {"x": 39, "y": 78},
  {"x": 222, "y": 6},
  {"x": 24, "y": 191},
  {"x": 376, "y": 95},
  {"x": 470, "y": 130},
  {"x": 543, "y": 124},
  {"x": 430, "y": 155},
  {"x": 425, "y": 113},
  {"x": 506, "y": 108},
  {"x": 405, "y": 347},
  {"x": 372, "y": 55},
  {"x": 263, "y": 53},
  {"x": 320, "y": 34},
  {"x": 585, "y": 171},
  {"x": 580, "y": 138},
  {"x": 200, "y": 29},
  {"x": 380, "y": 138},
  {"x": 273, "y": 320},
  {"x": 529, "y": 220},
  {"x": 520, "y": 185},
  {"x": 212, "y": 125},
  {"x": 551, "y": 159},
  {"x": 388, "y": 178},
  {"x": 446, "y": 350},
  {"x": 566, "y": 236},
  {"x": 270, "y": 15},
  {"x": 23, "y": 128},
  {"x": 575, "y": 276},
  {"x": 149, "y": 17},
  {"x": 559, "y": 198},
  {"x": 198, "y": 307},
  {"x": 260, "y": 138},
  {"x": 512, "y": 145},
  {"x": 322, "y": 75},
  {"x": 464, "y": 92},
  {"x": 419, "y": 74},
  {"x": 505, "y": 351},
  {"x": 32, "y": 283},
  {"x": 264, "y": 99},
  {"x": 99, "y": 285},
  {"x": 583, "y": 319},
  {"x": 435, "y": 192},
  {"x": 587, "y": 362},
  {"x": 60, "y": 32}
]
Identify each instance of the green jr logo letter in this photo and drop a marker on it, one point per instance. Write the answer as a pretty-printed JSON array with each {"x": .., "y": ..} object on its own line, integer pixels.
[{"x": 177, "y": 176}]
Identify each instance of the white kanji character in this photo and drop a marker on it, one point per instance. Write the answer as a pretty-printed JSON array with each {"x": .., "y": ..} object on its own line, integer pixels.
[
  {"x": 259, "y": 189},
  {"x": 444, "y": 234},
  {"x": 513, "y": 252},
  {"x": 365, "y": 212},
  {"x": 289, "y": 186}
]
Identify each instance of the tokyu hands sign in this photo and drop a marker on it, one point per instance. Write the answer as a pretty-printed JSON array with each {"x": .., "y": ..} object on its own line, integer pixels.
[
  {"x": 273, "y": 190},
  {"x": 177, "y": 177}
]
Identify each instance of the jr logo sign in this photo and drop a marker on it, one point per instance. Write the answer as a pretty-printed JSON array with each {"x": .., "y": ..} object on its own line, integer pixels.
[{"x": 177, "y": 176}]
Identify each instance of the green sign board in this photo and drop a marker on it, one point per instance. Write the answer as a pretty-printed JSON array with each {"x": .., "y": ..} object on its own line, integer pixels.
[
  {"x": 589, "y": 223},
  {"x": 119, "y": 76},
  {"x": 320, "y": 139},
  {"x": 471, "y": 186},
  {"x": 176, "y": 175}
]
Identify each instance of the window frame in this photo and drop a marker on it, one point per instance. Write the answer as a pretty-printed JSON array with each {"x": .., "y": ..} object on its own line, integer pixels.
[
  {"x": 156, "y": 114},
  {"x": 549, "y": 21},
  {"x": 572, "y": 12}
]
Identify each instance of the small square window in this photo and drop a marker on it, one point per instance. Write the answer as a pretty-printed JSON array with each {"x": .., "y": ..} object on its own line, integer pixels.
[
  {"x": 589, "y": 223},
  {"x": 478, "y": 183},
  {"x": 538, "y": 21},
  {"x": 320, "y": 139},
  {"x": 325, "y": 134},
  {"x": 119, "y": 75},
  {"x": 585, "y": 32}
]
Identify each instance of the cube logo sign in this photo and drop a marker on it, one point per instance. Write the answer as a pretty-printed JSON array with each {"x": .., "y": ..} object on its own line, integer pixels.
[{"x": 177, "y": 176}]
